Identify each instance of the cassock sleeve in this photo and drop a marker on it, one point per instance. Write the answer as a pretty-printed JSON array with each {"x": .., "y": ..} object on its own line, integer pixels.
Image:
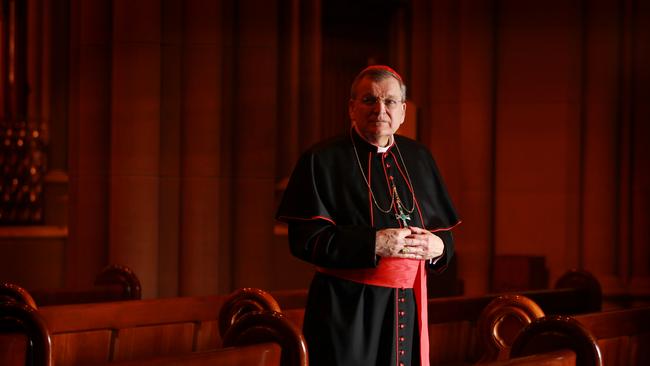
[
  {"x": 332, "y": 246},
  {"x": 439, "y": 264}
]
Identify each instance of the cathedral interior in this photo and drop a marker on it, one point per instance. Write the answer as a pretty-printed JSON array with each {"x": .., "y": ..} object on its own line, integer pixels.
[{"x": 159, "y": 135}]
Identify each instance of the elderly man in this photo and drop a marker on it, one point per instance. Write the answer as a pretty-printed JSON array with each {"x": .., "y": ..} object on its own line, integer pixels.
[{"x": 370, "y": 211}]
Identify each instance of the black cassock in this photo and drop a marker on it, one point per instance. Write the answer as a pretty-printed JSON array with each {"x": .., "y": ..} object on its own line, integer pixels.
[{"x": 332, "y": 224}]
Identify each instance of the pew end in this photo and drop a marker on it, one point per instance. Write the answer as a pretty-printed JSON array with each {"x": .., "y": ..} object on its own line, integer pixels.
[
  {"x": 500, "y": 323},
  {"x": 243, "y": 301},
  {"x": 121, "y": 275},
  {"x": 269, "y": 326},
  {"x": 24, "y": 336},
  {"x": 10, "y": 292},
  {"x": 558, "y": 332},
  {"x": 114, "y": 283},
  {"x": 591, "y": 293}
]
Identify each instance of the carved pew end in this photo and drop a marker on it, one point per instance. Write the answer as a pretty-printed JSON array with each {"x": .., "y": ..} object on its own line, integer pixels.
[
  {"x": 18, "y": 319},
  {"x": 123, "y": 275},
  {"x": 269, "y": 326},
  {"x": 556, "y": 333},
  {"x": 589, "y": 286},
  {"x": 501, "y": 321},
  {"x": 10, "y": 292},
  {"x": 241, "y": 302}
]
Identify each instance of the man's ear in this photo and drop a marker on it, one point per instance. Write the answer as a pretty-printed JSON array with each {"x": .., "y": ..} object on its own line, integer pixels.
[{"x": 403, "y": 113}]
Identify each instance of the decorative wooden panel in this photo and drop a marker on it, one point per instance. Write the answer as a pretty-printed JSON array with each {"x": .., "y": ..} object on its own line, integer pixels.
[
  {"x": 83, "y": 348},
  {"x": 160, "y": 340}
]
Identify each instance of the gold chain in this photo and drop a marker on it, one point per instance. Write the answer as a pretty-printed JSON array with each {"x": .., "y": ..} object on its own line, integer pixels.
[{"x": 394, "y": 197}]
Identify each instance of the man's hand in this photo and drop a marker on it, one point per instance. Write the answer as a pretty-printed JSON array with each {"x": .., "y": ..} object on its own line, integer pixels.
[
  {"x": 412, "y": 242},
  {"x": 389, "y": 242}
]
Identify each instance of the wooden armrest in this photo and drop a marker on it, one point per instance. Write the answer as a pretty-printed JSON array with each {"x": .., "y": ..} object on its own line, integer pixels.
[
  {"x": 241, "y": 302},
  {"x": 117, "y": 274},
  {"x": 555, "y": 333},
  {"x": 587, "y": 285},
  {"x": 12, "y": 292},
  {"x": 269, "y": 326},
  {"x": 500, "y": 322},
  {"x": 24, "y": 319}
]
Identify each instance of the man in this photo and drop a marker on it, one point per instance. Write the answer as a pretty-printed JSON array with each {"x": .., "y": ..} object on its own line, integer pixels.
[{"x": 369, "y": 209}]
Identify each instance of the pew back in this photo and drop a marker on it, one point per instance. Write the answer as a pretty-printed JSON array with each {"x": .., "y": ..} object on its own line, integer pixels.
[
  {"x": 127, "y": 330},
  {"x": 620, "y": 337},
  {"x": 453, "y": 333},
  {"x": 555, "y": 358},
  {"x": 113, "y": 283},
  {"x": 251, "y": 355}
]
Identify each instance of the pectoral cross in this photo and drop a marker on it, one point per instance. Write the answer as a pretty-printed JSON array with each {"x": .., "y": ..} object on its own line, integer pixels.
[{"x": 401, "y": 216}]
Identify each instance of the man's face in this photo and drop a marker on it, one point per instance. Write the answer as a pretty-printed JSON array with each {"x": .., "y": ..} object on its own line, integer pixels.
[{"x": 377, "y": 110}]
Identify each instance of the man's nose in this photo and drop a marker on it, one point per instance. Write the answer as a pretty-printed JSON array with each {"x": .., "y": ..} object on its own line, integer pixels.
[{"x": 379, "y": 107}]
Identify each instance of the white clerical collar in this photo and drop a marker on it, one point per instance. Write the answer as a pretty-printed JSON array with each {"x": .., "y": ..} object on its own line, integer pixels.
[{"x": 383, "y": 149}]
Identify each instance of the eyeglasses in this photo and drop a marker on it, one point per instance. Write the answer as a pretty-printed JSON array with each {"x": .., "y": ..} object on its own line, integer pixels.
[{"x": 389, "y": 103}]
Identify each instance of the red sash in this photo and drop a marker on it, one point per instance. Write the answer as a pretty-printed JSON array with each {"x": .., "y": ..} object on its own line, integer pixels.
[{"x": 396, "y": 273}]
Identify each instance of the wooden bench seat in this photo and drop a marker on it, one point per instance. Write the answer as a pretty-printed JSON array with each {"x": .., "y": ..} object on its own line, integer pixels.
[
  {"x": 125, "y": 330},
  {"x": 620, "y": 337}
]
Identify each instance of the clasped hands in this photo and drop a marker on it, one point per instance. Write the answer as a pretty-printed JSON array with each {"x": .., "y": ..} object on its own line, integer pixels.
[{"x": 410, "y": 242}]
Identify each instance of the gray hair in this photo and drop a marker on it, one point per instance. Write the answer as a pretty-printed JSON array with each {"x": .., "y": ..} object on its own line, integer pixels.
[{"x": 377, "y": 73}]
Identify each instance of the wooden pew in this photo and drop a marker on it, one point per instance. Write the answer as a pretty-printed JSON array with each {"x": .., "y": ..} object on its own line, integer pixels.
[
  {"x": 261, "y": 354},
  {"x": 24, "y": 337},
  {"x": 241, "y": 302},
  {"x": 456, "y": 332},
  {"x": 265, "y": 326},
  {"x": 129, "y": 330},
  {"x": 26, "y": 340},
  {"x": 497, "y": 325},
  {"x": 98, "y": 333},
  {"x": 113, "y": 283},
  {"x": 255, "y": 338},
  {"x": 620, "y": 337},
  {"x": 565, "y": 357}
]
